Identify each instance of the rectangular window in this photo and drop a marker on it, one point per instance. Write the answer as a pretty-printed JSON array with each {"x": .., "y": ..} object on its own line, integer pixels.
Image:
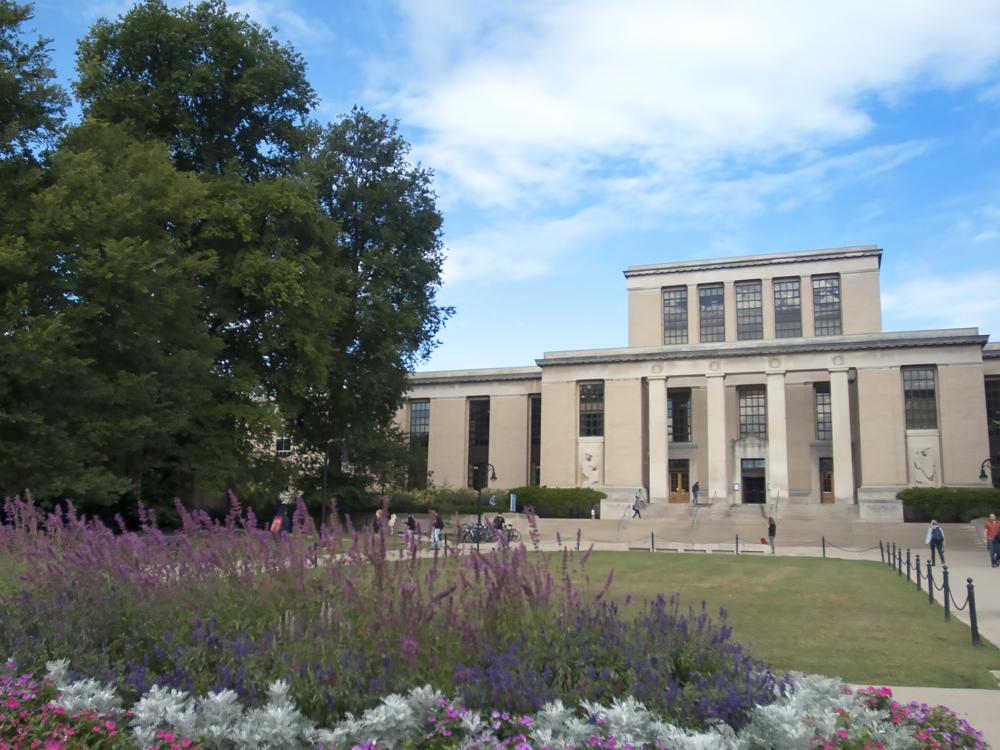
[
  {"x": 679, "y": 415},
  {"x": 993, "y": 406},
  {"x": 675, "y": 315},
  {"x": 753, "y": 411},
  {"x": 787, "y": 308},
  {"x": 749, "y": 311},
  {"x": 592, "y": 409},
  {"x": 479, "y": 441},
  {"x": 420, "y": 432},
  {"x": 824, "y": 419},
  {"x": 826, "y": 305},
  {"x": 712, "y": 313},
  {"x": 919, "y": 398},
  {"x": 535, "y": 440},
  {"x": 283, "y": 446}
]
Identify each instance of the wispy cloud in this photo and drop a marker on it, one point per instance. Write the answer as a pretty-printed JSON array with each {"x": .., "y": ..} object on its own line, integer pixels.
[
  {"x": 958, "y": 301},
  {"x": 524, "y": 97}
]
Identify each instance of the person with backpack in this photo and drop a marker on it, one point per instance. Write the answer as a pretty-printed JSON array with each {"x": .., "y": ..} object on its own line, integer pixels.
[
  {"x": 935, "y": 538},
  {"x": 992, "y": 531},
  {"x": 772, "y": 531}
]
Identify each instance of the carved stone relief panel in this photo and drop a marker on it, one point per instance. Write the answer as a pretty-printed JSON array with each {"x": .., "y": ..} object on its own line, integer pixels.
[
  {"x": 590, "y": 459},
  {"x": 923, "y": 459}
]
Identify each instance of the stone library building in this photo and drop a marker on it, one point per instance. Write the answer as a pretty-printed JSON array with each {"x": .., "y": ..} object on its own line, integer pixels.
[{"x": 762, "y": 379}]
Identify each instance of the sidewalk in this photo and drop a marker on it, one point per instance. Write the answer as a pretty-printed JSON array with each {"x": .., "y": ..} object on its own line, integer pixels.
[{"x": 964, "y": 551}]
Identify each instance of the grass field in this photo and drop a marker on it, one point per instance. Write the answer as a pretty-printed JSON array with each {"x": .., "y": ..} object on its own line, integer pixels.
[{"x": 853, "y": 619}]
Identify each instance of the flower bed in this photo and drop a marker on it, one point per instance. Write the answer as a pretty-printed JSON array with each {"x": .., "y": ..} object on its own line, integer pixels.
[{"x": 812, "y": 713}]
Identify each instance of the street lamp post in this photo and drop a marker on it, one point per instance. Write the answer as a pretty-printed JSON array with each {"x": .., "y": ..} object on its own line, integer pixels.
[
  {"x": 989, "y": 462},
  {"x": 479, "y": 499}
]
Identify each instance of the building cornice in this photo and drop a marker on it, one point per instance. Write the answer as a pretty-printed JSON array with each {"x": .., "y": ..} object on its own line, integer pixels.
[
  {"x": 991, "y": 351},
  {"x": 454, "y": 377},
  {"x": 751, "y": 261},
  {"x": 863, "y": 342}
]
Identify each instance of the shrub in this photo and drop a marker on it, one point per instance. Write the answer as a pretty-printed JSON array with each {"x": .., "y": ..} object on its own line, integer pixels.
[
  {"x": 559, "y": 502},
  {"x": 948, "y": 504}
]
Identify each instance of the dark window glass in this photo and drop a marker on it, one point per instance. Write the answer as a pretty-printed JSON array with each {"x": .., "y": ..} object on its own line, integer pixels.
[
  {"x": 993, "y": 405},
  {"x": 479, "y": 441},
  {"x": 826, "y": 305},
  {"x": 712, "y": 313},
  {"x": 679, "y": 416},
  {"x": 675, "y": 315},
  {"x": 753, "y": 411},
  {"x": 283, "y": 446},
  {"x": 824, "y": 419},
  {"x": 919, "y": 398},
  {"x": 787, "y": 308},
  {"x": 420, "y": 427},
  {"x": 749, "y": 313},
  {"x": 535, "y": 440},
  {"x": 591, "y": 409},
  {"x": 826, "y": 475}
]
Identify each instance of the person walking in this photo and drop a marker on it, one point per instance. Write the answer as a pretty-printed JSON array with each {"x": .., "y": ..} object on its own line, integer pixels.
[
  {"x": 772, "y": 531},
  {"x": 993, "y": 539},
  {"x": 377, "y": 522},
  {"x": 935, "y": 539},
  {"x": 436, "y": 529},
  {"x": 695, "y": 492},
  {"x": 635, "y": 506}
]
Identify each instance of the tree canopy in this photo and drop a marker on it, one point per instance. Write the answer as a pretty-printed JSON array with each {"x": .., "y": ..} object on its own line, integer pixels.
[{"x": 196, "y": 266}]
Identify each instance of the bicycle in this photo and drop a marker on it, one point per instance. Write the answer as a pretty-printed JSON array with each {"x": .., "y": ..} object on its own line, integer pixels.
[{"x": 472, "y": 532}]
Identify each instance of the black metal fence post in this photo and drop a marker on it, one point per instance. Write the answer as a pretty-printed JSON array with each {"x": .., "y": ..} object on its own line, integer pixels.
[
  {"x": 907, "y": 563},
  {"x": 899, "y": 562},
  {"x": 973, "y": 622},
  {"x": 945, "y": 593},
  {"x": 892, "y": 556},
  {"x": 930, "y": 583},
  {"x": 444, "y": 536},
  {"x": 737, "y": 544},
  {"x": 652, "y": 542},
  {"x": 918, "y": 573},
  {"x": 824, "y": 547},
  {"x": 881, "y": 551}
]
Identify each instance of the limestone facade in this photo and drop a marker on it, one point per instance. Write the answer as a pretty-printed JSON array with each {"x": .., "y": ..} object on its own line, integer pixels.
[{"x": 763, "y": 379}]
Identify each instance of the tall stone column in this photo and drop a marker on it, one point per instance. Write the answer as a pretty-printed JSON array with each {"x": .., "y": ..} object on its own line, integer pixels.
[
  {"x": 718, "y": 481},
  {"x": 777, "y": 438},
  {"x": 840, "y": 413},
  {"x": 658, "y": 438}
]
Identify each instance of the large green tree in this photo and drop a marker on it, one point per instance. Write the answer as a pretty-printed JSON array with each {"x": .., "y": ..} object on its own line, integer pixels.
[
  {"x": 213, "y": 85},
  {"x": 389, "y": 242},
  {"x": 202, "y": 267},
  {"x": 31, "y": 114}
]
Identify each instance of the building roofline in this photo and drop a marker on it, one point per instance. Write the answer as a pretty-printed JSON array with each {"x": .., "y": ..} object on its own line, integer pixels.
[
  {"x": 744, "y": 261},
  {"x": 493, "y": 374},
  {"x": 991, "y": 351},
  {"x": 868, "y": 341}
]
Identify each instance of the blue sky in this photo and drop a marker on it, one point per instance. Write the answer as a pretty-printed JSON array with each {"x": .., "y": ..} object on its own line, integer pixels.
[{"x": 573, "y": 139}]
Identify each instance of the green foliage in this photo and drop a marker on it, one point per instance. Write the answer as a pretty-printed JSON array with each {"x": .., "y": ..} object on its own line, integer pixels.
[
  {"x": 213, "y": 85},
  {"x": 948, "y": 504},
  {"x": 559, "y": 502},
  {"x": 202, "y": 268}
]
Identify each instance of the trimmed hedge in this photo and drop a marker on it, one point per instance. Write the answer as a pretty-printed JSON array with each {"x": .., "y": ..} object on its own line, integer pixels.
[
  {"x": 548, "y": 502},
  {"x": 948, "y": 504}
]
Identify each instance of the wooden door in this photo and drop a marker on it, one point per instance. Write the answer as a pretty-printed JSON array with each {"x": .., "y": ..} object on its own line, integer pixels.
[
  {"x": 826, "y": 480},
  {"x": 680, "y": 491}
]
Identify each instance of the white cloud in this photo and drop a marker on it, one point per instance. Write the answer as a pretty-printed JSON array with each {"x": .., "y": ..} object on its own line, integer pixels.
[
  {"x": 283, "y": 15},
  {"x": 516, "y": 98},
  {"x": 959, "y": 301}
]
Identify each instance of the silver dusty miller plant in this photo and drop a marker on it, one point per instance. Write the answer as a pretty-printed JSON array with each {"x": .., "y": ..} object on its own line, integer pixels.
[{"x": 218, "y": 722}]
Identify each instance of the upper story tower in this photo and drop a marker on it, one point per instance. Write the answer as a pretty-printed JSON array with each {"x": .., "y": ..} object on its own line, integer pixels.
[{"x": 807, "y": 294}]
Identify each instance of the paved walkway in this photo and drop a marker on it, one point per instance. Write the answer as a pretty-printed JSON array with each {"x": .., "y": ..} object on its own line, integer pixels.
[{"x": 702, "y": 534}]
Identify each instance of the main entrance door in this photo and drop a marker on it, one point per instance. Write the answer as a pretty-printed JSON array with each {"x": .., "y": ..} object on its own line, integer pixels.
[
  {"x": 752, "y": 480},
  {"x": 826, "y": 480},
  {"x": 679, "y": 478}
]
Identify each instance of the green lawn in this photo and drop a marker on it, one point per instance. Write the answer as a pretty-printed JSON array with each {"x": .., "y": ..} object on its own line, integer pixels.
[{"x": 857, "y": 620}]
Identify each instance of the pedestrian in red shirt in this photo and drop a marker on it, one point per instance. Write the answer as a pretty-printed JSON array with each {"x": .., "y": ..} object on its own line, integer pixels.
[{"x": 993, "y": 539}]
